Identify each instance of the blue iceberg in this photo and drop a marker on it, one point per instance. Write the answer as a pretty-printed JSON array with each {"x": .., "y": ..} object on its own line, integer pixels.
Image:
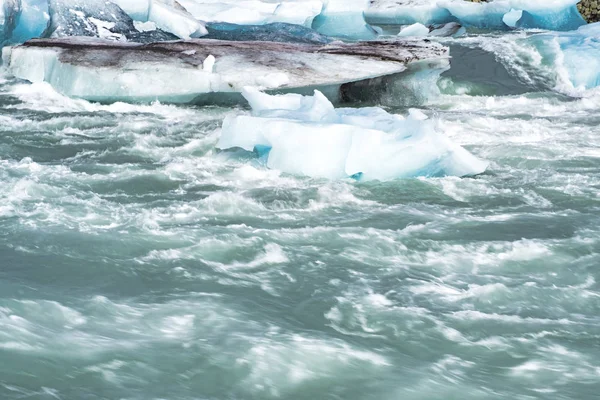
[
  {"x": 574, "y": 56},
  {"x": 23, "y": 20},
  {"x": 561, "y": 15}
]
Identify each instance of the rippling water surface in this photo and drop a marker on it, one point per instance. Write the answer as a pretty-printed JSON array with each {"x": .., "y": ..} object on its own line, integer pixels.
[{"x": 138, "y": 263}]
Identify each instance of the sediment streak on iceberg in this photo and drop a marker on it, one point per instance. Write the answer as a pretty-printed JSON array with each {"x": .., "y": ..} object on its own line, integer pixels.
[
  {"x": 101, "y": 70},
  {"x": 306, "y": 135}
]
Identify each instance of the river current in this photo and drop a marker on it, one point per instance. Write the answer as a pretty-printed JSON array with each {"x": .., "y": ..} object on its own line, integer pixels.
[{"x": 137, "y": 262}]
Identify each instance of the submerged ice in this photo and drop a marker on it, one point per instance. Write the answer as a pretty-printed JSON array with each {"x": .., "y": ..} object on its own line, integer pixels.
[{"x": 306, "y": 135}]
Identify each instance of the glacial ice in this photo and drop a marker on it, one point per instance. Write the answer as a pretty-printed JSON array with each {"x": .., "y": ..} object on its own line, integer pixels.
[
  {"x": 274, "y": 32},
  {"x": 254, "y": 12},
  {"x": 100, "y": 70},
  {"x": 306, "y": 135},
  {"x": 168, "y": 16},
  {"x": 22, "y": 20},
  {"x": 574, "y": 56},
  {"x": 497, "y": 14},
  {"x": 344, "y": 18},
  {"x": 415, "y": 30}
]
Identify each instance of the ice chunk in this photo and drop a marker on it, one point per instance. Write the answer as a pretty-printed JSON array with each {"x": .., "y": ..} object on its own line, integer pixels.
[
  {"x": 173, "y": 71},
  {"x": 415, "y": 30},
  {"x": 496, "y": 14},
  {"x": 107, "y": 20},
  {"x": 32, "y": 21},
  {"x": 254, "y": 12},
  {"x": 21, "y": 20},
  {"x": 451, "y": 29},
  {"x": 344, "y": 18},
  {"x": 171, "y": 18},
  {"x": 306, "y": 135},
  {"x": 511, "y": 18},
  {"x": 275, "y": 32},
  {"x": 406, "y": 12},
  {"x": 574, "y": 56},
  {"x": 558, "y": 15},
  {"x": 167, "y": 15},
  {"x": 88, "y": 18}
]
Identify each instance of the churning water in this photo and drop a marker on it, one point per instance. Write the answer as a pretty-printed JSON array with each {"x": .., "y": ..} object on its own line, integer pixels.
[{"x": 136, "y": 262}]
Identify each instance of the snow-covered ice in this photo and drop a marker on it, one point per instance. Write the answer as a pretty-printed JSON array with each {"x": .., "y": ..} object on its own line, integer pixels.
[{"x": 306, "y": 135}]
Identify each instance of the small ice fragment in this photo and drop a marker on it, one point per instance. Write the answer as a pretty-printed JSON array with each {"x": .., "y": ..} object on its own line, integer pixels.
[
  {"x": 415, "y": 30},
  {"x": 209, "y": 64}
]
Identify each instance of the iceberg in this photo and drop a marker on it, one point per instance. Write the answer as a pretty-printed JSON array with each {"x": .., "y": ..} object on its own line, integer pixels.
[
  {"x": 344, "y": 18},
  {"x": 102, "y": 19},
  {"x": 574, "y": 56},
  {"x": 306, "y": 135},
  {"x": 274, "y": 32},
  {"x": 254, "y": 12},
  {"x": 89, "y": 18},
  {"x": 168, "y": 15},
  {"x": 101, "y": 70},
  {"x": 21, "y": 20},
  {"x": 560, "y": 15}
]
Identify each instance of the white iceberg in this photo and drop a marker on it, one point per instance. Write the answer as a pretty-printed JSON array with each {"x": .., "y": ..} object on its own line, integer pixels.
[
  {"x": 414, "y": 30},
  {"x": 306, "y": 135},
  {"x": 254, "y": 12}
]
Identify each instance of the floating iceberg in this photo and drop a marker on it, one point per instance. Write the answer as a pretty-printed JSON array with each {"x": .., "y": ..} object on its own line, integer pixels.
[
  {"x": 101, "y": 70},
  {"x": 574, "y": 56},
  {"x": 497, "y": 14},
  {"x": 275, "y": 32},
  {"x": 306, "y": 135},
  {"x": 254, "y": 12}
]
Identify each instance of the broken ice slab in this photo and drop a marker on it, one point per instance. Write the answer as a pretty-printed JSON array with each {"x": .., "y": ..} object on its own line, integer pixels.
[
  {"x": 306, "y": 135},
  {"x": 188, "y": 71}
]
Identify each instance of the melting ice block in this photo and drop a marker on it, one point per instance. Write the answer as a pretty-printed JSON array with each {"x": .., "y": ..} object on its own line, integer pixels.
[
  {"x": 107, "y": 71},
  {"x": 306, "y": 135},
  {"x": 496, "y": 14}
]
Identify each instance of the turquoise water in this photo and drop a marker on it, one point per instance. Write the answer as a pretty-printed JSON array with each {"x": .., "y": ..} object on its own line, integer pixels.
[{"x": 138, "y": 263}]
